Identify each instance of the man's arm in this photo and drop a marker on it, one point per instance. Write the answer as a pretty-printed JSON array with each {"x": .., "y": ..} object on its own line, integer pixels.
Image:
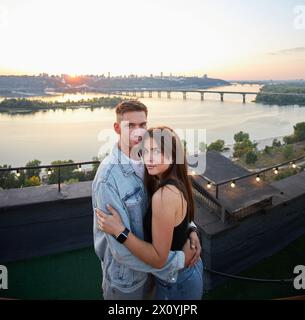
[{"x": 105, "y": 194}]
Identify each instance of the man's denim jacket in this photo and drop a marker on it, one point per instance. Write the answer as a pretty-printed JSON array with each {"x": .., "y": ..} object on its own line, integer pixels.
[{"x": 117, "y": 184}]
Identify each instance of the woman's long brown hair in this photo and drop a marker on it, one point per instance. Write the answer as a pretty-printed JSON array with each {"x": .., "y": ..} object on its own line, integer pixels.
[{"x": 170, "y": 146}]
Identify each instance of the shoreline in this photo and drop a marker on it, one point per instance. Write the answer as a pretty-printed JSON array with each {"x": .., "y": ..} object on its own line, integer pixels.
[{"x": 22, "y": 105}]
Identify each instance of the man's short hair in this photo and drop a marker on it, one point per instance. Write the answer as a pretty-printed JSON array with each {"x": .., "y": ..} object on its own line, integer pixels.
[{"x": 129, "y": 105}]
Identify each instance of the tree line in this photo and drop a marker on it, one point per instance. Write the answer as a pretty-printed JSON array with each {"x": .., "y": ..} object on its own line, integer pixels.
[{"x": 22, "y": 104}]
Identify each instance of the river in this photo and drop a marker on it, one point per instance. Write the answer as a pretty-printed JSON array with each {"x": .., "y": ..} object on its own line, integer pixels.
[{"x": 73, "y": 134}]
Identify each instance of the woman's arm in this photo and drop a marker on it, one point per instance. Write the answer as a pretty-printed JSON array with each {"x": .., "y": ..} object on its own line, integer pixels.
[{"x": 164, "y": 207}]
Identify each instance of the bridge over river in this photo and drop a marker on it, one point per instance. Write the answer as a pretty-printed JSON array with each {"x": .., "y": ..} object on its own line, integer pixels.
[{"x": 158, "y": 92}]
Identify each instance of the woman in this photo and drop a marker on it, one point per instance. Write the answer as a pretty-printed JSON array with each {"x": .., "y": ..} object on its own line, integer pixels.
[{"x": 170, "y": 211}]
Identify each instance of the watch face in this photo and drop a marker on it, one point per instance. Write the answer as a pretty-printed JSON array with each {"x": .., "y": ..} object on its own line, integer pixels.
[{"x": 123, "y": 236}]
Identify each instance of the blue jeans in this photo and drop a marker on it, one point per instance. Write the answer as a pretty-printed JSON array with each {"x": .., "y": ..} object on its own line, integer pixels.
[{"x": 189, "y": 285}]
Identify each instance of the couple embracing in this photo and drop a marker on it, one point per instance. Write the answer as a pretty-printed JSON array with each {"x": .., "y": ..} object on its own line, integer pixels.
[{"x": 143, "y": 204}]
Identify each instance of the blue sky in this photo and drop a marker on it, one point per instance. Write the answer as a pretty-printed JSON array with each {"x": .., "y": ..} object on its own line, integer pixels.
[{"x": 227, "y": 39}]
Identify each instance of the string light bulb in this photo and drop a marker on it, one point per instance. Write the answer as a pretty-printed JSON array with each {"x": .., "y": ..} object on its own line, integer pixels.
[
  {"x": 294, "y": 165},
  {"x": 276, "y": 170},
  {"x": 258, "y": 178},
  {"x": 49, "y": 171},
  {"x": 79, "y": 168},
  {"x": 209, "y": 185},
  {"x": 18, "y": 173},
  {"x": 233, "y": 184}
]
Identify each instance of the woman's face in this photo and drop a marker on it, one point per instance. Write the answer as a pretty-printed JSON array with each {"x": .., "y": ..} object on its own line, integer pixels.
[{"x": 156, "y": 163}]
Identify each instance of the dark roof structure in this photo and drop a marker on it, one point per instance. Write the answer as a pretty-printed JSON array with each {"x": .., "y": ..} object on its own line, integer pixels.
[
  {"x": 247, "y": 197},
  {"x": 218, "y": 167}
]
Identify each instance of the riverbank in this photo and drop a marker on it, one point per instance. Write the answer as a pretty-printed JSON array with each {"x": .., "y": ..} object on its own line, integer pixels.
[
  {"x": 282, "y": 94},
  {"x": 22, "y": 94},
  {"x": 22, "y": 105}
]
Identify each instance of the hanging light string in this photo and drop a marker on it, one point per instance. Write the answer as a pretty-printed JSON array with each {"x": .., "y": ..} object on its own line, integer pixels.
[{"x": 258, "y": 173}]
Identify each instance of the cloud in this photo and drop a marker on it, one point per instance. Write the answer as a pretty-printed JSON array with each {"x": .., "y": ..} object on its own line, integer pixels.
[{"x": 290, "y": 51}]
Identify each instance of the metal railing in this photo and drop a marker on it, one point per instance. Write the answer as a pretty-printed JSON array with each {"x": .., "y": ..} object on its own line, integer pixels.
[
  {"x": 258, "y": 173},
  {"x": 211, "y": 201},
  {"x": 207, "y": 200},
  {"x": 50, "y": 167}
]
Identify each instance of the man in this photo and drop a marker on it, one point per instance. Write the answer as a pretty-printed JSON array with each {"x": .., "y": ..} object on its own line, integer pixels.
[{"x": 119, "y": 182}]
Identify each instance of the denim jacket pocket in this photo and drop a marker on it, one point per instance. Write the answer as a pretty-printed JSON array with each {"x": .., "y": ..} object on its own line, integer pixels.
[
  {"x": 120, "y": 276},
  {"x": 133, "y": 196},
  {"x": 133, "y": 202},
  {"x": 135, "y": 215}
]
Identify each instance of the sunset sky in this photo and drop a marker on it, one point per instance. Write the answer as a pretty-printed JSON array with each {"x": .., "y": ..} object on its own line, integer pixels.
[{"x": 234, "y": 40}]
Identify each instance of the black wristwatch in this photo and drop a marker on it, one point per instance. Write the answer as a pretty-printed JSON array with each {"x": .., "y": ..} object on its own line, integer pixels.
[{"x": 123, "y": 236}]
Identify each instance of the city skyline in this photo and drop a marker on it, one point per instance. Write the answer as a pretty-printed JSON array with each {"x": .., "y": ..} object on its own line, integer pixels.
[{"x": 244, "y": 40}]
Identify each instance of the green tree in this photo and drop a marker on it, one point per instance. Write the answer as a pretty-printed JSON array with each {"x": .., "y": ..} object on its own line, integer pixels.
[
  {"x": 241, "y": 148},
  {"x": 21, "y": 179},
  {"x": 289, "y": 139},
  {"x": 243, "y": 145},
  {"x": 241, "y": 136},
  {"x": 32, "y": 181},
  {"x": 298, "y": 134},
  {"x": 79, "y": 175},
  {"x": 268, "y": 149},
  {"x": 299, "y": 131},
  {"x": 8, "y": 179},
  {"x": 276, "y": 143},
  {"x": 288, "y": 151},
  {"x": 33, "y": 172},
  {"x": 251, "y": 157},
  {"x": 217, "y": 145},
  {"x": 66, "y": 173},
  {"x": 91, "y": 174}
]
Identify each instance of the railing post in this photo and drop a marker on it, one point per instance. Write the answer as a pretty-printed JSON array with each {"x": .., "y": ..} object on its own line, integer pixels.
[
  {"x": 58, "y": 179},
  {"x": 216, "y": 191}
]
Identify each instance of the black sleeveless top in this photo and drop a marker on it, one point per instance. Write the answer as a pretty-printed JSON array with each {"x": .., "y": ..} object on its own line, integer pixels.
[{"x": 180, "y": 231}]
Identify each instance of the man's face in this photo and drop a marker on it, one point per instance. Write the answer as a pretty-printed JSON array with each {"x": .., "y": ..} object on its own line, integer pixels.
[{"x": 131, "y": 128}]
